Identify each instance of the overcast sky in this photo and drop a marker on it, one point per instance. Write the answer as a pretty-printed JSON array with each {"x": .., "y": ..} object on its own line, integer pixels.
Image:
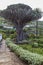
[{"x": 32, "y": 3}]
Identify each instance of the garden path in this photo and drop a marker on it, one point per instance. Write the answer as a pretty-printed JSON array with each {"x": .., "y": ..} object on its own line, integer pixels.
[{"x": 7, "y": 57}]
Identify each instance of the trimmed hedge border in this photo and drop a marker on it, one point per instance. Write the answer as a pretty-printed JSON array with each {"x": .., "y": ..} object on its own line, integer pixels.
[{"x": 31, "y": 58}]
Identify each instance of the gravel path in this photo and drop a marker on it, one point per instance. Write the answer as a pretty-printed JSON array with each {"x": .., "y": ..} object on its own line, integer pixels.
[{"x": 7, "y": 57}]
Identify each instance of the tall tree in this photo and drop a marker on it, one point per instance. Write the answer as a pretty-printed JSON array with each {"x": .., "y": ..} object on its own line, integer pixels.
[{"x": 19, "y": 15}]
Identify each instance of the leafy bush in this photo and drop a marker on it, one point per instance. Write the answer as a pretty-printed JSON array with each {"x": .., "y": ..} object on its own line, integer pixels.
[
  {"x": 40, "y": 41},
  {"x": 8, "y": 33},
  {"x": 11, "y": 36},
  {"x": 40, "y": 45},
  {"x": 31, "y": 58},
  {"x": 32, "y": 35},
  {"x": 35, "y": 45},
  {"x": 4, "y": 35}
]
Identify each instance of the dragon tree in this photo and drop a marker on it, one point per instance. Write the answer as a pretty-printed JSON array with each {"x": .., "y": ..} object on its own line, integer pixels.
[{"x": 19, "y": 15}]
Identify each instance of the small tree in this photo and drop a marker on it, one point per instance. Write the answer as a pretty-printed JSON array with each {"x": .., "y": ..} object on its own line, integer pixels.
[{"x": 19, "y": 15}]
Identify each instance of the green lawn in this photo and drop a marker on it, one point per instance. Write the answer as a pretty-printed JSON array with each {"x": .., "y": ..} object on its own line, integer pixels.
[{"x": 38, "y": 50}]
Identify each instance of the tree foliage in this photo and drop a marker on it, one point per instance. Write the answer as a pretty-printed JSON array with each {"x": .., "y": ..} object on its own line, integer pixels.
[{"x": 19, "y": 15}]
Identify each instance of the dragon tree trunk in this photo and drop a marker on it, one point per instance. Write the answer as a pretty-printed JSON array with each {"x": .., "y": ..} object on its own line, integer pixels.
[{"x": 20, "y": 33}]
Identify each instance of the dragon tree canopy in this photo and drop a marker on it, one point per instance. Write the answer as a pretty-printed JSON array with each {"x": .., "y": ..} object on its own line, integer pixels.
[{"x": 19, "y": 15}]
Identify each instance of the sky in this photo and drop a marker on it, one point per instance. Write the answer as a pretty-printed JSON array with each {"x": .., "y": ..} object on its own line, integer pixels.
[{"x": 31, "y": 3}]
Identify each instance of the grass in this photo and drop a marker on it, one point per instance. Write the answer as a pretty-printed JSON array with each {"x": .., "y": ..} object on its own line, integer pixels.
[{"x": 28, "y": 47}]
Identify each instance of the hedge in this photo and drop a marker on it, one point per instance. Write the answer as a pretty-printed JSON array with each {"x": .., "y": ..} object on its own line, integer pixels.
[{"x": 31, "y": 58}]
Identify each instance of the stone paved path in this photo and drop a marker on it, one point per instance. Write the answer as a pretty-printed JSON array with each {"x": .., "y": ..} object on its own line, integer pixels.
[{"x": 7, "y": 57}]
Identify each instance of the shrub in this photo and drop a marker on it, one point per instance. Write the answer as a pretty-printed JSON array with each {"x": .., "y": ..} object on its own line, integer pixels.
[
  {"x": 41, "y": 45},
  {"x": 31, "y": 58},
  {"x": 4, "y": 35},
  {"x": 12, "y": 35},
  {"x": 40, "y": 41},
  {"x": 32, "y": 35},
  {"x": 35, "y": 45}
]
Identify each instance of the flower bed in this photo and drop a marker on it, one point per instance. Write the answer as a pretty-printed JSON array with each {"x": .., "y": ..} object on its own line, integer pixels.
[{"x": 31, "y": 58}]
